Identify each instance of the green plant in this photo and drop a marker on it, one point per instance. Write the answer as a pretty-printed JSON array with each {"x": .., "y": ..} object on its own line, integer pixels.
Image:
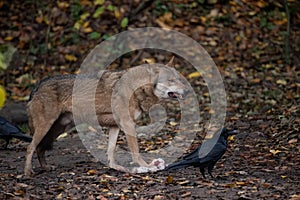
[{"x": 76, "y": 9}]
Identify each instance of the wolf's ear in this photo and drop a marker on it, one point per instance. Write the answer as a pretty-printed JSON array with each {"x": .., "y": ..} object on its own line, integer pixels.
[{"x": 171, "y": 62}]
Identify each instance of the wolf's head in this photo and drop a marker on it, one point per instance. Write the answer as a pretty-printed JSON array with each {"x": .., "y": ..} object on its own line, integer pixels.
[{"x": 168, "y": 83}]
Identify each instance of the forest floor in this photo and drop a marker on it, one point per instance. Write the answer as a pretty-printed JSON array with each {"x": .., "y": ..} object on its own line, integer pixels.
[{"x": 256, "y": 56}]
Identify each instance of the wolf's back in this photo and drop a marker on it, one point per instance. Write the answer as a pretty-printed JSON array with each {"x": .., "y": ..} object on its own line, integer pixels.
[{"x": 51, "y": 81}]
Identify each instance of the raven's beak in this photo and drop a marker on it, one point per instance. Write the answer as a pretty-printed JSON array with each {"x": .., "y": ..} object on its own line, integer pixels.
[{"x": 232, "y": 132}]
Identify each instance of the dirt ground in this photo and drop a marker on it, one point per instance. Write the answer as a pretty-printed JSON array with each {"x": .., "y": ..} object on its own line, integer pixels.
[
  {"x": 78, "y": 176},
  {"x": 255, "y": 45}
]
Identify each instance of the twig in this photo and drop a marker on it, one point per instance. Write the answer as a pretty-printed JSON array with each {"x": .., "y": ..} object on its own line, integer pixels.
[
  {"x": 136, "y": 57},
  {"x": 287, "y": 49}
]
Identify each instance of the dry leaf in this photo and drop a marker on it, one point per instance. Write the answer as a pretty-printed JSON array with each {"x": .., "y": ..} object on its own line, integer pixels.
[
  {"x": 8, "y": 38},
  {"x": 281, "y": 82},
  {"x": 170, "y": 180},
  {"x": 194, "y": 75},
  {"x": 173, "y": 123},
  {"x": 70, "y": 57},
  {"x": 274, "y": 152},
  {"x": 256, "y": 80},
  {"x": 294, "y": 140},
  {"x": 92, "y": 172}
]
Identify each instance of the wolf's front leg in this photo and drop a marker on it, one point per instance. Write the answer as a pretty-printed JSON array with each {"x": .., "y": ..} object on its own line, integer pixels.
[
  {"x": 112, "y": 141},
  {"x": 134, "y": 148}
]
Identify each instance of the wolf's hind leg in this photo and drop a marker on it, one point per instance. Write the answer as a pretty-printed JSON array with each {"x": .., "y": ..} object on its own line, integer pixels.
[
  {"x": 37, "y": 138},
  {"x": 58, "y": 127}
]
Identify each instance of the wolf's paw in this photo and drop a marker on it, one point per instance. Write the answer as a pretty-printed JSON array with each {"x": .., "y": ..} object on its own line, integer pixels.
[
  {"x": 28, "y": 173},
  {"x": 118, "y": 168},
  {"x": 141, "y": 162},
  {"x": 49, "y": 167}
]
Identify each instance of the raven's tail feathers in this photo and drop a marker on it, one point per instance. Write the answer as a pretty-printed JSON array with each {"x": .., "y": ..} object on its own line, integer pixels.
[{"x": 177, "y": 165}]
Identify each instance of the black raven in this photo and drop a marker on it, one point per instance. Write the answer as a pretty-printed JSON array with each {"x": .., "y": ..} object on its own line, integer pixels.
[
  {"x": 9, "y": 131},
  {"x": 209, "y": 160}
]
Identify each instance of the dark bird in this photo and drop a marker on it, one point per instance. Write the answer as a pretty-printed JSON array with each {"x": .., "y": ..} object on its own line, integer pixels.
[
  {"x": 211, "y": 158},
  {"x": 9, "y": 131}
]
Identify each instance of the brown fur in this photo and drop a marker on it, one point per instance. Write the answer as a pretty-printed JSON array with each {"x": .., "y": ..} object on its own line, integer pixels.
[{"x": 50, "y": 106}]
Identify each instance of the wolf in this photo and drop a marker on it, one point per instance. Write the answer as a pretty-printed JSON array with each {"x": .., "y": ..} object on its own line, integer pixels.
[{"x": 50, "y": 106}]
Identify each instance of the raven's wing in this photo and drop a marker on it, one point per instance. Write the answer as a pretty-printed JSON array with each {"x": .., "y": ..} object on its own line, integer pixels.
[
  {"x": 8, "y": 130},
  {"x": 177, "y": 165},
  {"x": 192, "y": 159},
  {"x": 184, "y": 163},
  {"x": 192, "y": 154},
  {"x": 215, "y": 154}
]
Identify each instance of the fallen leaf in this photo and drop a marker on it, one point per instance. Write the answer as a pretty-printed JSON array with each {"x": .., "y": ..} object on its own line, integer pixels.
[
  {"x": 158, "y": 197},
  {"x": 274, "y": 152},
  {"x": 84, "y": 16},
  {"x": 59, "y": 196},
  {"x": 92, "y": 129},
  {"x": 19, "y": 192},
  {"x": 231, "y": 137},
  {"x": 163, "y": 24},
  {"x": 86, "y": 24},
  {"x": 256, "y": 80},
  {"x": 8, "y": 38},
  {"x": 149, "y": 60},
  {"x": 39, "y": 19},
  {"x": 94, "y": 35},
  {"x": 295, "y": 197},
  {"x": 281, "y": 82},
  {"x": 22, "y": 185},
  {"x": 173, "y": 123},
  {"x": 194, "y": 75},
  {"x": 229, "y": 185},
  {"x": 117, "y": 14},
  {"x": 2, "y": 96},
  {"x": 186, "y": 194},
  {"x": 63, "y": 135},
  {"x": 98, "y": 12},
  {"x": 213, "y": 43},
  {"x": 70, "y": 57},
  {"x": 92, "y": 172},
  {"x": 170, "y": 180},
  {"x": 87, "y": 30},
  {"x": 261, "y": 4},
  {"x": 294, "y": 140},
  {"x": 77, "y": 24},
  {"x": 124, "y": 22},
  {"x": 63, "y": 5},
  {"x": 183, "y": 182},
  {"x": 99, "y": 2},
  {"x": 240, "y": 183}
]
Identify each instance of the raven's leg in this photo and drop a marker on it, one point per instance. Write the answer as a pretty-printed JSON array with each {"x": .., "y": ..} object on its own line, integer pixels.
[
  {"x": 202, "y": 172},
  {"x": 210, "y": 169},
  {"x": 7, "y": 143}
]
